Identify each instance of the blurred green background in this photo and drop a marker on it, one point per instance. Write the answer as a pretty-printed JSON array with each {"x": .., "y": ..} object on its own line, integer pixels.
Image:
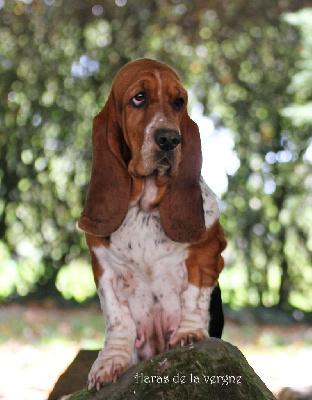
[{"x": 248, "y": 68}]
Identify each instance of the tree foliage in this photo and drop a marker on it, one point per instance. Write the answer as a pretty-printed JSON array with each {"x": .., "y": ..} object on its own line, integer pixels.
[{"x": 242, "y": 60}]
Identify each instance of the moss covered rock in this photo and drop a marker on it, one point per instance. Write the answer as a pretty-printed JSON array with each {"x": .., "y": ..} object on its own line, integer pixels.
[{"x": 211, "y": 369}]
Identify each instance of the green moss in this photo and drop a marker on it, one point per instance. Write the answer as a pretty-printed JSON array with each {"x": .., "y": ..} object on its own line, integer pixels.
[
  {"x": 81, "y": 395},
  {"x": 210, "y": 370}
]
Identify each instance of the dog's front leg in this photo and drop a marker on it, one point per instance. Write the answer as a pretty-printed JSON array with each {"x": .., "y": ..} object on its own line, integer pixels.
[
  {"x": 204, "y": 264},
  {"x": 195, "y": 319},
  {"x": 119, "y": 351}
]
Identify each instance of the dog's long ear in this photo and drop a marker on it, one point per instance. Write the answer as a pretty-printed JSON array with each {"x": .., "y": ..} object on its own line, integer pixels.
[
  {"x": 181, "y": 209},
  {"x": 109, "y": 190}
]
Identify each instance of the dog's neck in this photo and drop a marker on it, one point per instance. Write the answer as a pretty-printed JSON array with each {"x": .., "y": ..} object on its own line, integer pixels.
[{"x": 148, "y": 192}]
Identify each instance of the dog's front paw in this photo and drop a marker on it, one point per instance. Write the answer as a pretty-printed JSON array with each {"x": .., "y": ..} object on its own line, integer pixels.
[
  {"x": 107, "y": 368},
  {"x": 185, "y": 337}
]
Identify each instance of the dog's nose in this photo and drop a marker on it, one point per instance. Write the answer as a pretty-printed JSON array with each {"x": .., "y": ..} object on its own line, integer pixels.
[{"x": 167, "y": 139}]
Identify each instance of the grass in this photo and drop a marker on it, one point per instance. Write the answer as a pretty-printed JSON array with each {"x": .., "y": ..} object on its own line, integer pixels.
[{"x": 43, "y": 324}]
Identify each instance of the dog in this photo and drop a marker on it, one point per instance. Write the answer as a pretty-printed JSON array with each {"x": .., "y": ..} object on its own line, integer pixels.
[{"x": 151, "y": 222}]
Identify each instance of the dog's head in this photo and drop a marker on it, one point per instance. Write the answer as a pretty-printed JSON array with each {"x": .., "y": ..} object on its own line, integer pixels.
[{"x": 143, "y": 130}]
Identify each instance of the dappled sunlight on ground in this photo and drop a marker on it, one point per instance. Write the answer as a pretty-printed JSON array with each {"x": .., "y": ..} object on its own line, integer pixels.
[
  {"x": 29, "y": 372},
  {"x": 38, "y": 343}
]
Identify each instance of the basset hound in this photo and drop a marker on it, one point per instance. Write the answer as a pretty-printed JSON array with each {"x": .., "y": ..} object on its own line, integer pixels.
[{"x": 151, "y": 222}]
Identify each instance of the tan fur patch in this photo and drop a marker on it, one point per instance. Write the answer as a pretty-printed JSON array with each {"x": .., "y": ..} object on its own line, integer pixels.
[{"x": 204, "y": 262}]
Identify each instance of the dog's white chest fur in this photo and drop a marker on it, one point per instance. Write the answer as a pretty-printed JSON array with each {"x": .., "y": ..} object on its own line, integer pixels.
[{"x": 142, "y": 242}]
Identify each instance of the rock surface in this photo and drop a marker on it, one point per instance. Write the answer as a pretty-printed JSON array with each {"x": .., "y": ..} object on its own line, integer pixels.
[{"x": 211, "y": 369}]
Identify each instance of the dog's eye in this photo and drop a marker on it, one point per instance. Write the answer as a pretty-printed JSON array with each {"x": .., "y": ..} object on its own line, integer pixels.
[
  {"x": 178, "y": 104},
  {"x": 139, "y": 100}
]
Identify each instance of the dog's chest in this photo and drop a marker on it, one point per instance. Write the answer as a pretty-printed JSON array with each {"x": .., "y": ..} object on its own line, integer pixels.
[{"x": 141, "y": 241}]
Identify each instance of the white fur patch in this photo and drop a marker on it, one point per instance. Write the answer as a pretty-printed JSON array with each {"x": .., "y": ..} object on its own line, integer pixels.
[
  {"x": 149, "y": 145},
  {"x": 210, "y": 204}
]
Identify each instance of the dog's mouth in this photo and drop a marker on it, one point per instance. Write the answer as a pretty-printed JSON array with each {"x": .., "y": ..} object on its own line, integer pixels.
[
  {"x": 164, "y": 166},
  {"x": 165, "y": 161}
]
